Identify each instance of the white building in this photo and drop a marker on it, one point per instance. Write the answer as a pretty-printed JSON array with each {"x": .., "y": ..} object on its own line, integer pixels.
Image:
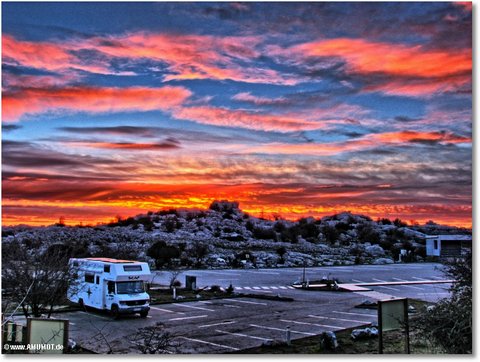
[{"x": 447, "y": 246}]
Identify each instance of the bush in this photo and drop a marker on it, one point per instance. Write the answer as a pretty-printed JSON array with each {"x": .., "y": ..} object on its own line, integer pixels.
[
  {"x": 162, "y": 253},
  {"x": 331, "y": 234},
  {"x": 449, "y": 322},
  {"x": 265, "y": 234}
]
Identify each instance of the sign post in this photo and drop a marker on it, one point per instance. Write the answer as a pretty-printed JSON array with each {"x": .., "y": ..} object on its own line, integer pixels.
[{"x": 393, "y": 315}]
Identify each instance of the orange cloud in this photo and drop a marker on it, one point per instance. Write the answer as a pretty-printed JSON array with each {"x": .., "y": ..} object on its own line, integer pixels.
[
  {"x": 363, "y": 56},
  {"x": 366, "y": 142},
  {"x": 244, "y": 119},
  {"x": 90, "y": 99}
]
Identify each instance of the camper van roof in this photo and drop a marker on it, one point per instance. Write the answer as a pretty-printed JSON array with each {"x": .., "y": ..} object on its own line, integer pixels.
[{"x": 109, "y": 260}]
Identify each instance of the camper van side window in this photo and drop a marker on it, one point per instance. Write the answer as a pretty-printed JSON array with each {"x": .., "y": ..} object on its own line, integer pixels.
[
  {"x": 97, "y": 280},
  {"x": 111, "y": 287},
  {"x": 106, "y": 268},
  {"x": 129, "y": 268},
  {"x": 89, "y": 278}
]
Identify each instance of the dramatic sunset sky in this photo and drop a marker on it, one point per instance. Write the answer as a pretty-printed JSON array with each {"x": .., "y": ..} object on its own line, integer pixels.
[{"x": 291, "y": 109}]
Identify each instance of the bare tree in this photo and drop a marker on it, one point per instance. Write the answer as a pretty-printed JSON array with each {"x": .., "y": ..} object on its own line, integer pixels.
[
  {"x": 174, "y": 282},
  {"x": 35, "y": 281},
  {"x": 153, "y": 340}
]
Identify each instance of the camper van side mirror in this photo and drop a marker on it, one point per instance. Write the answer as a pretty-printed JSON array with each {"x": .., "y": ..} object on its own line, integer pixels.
[{"x": 111, "y": 287}]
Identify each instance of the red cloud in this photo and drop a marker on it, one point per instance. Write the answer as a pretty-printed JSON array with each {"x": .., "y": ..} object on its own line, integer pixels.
[
  {"x": 366, "y": 142},
  {"x": 193, "y": 56},
  {"x": 43, "y": 55},
  {"x": 363, "y": 56},
  {"x": 90, "y": 99},
  {"x": 243, "y": 119}
]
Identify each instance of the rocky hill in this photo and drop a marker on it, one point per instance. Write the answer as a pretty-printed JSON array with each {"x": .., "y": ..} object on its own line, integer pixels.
[{"x": 225, "y": 237}]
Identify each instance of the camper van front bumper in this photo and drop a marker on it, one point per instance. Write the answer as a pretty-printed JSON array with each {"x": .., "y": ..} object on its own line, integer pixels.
[{"x": 135, "y": 309}]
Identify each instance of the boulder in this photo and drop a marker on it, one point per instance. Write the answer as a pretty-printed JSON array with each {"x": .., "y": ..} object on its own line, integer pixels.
[
  {"x": 375, "y": 250},
  {"x": 382, "y": 261}
]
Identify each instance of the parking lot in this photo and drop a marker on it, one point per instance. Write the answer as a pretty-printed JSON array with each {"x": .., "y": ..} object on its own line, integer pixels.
[{"x": 229, "y": 325}]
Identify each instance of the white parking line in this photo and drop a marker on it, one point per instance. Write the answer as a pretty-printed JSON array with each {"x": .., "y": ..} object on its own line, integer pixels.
[
  {"x": 407, "y": 286},
  {"x": 242, "y": 335},
  {"x": 248, "y": 288},
  {"x": 336, "y": 319},
  {"x": 165, "y": 310},
  {"x": 358, "y": 281},
  {"x": 310, "y": 324},
  {"x": 359, "y": 314},
  {"x": 231, "y": 306},
  {"x": 216, "y": 324},
  {"x": 266, "y": 272},
  {"x": 256, "y": 288},
  {"x": 199, "y": 308},
  {"x": 239, "y": 288},
  {"x": 283, "y": 287},
  {"x": 422, "y": 279},
  {"x": 265, "y": 287},
  {"x": 246, "y": 302},
  {"x": 210, "y": 343},
  {"x": 282, "y": 330},
  {"x": 192, "y": 317},
  {"x": 273, "y": 287}
]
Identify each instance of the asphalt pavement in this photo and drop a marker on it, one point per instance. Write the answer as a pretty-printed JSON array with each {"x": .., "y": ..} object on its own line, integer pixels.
[{"x": 230, "y": 325}]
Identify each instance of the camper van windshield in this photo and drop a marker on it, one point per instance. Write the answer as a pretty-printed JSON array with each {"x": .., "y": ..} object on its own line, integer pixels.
[{"x": 130, "y": 287}]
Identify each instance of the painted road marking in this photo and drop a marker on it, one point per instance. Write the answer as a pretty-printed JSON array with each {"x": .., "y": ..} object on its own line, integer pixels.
[
  {"x": 231, "y": 306},
  {"x": 256, "y": 288},
  {"x": 310, "y": 324},
  {"x": 336, "y": 319},
  {"x": 239, "y": 288},
  {"x": 216, "y": 324},
  {"x": 289, "y": 287},
  {"x": 274, "y": 287},
  {"x": 265, "y": 287},
  {"x": 357, "y": 281},
  {"x": 379, "y": 280},
  {"x": 247, "y": 302},
  {"x": 283, "y": 287},
  {"x": 359, "y": 314},
  {"x": 242, "y": 335},
  {"x": 165, "y": 310},
  {"x": 192, "y": 317},
  {"x": 210, "y": 343},
  {"x": 422, "y": 279},
  {"x": 248, "y": 288},
  {"x": 282, "y": 330},
  {"x": 199, "y": 308}
]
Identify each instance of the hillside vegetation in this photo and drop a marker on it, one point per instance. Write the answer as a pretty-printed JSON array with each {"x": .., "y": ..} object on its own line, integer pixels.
[{"x": 226, "y": 237}]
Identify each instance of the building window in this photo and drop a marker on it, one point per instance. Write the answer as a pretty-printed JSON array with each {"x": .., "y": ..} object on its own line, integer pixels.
[
  {"x": 89, "y": 278},
  {"x": 435, "y": 244},
  {"x": 97, "y": 280},
  {"x": 106, "y": 268}
]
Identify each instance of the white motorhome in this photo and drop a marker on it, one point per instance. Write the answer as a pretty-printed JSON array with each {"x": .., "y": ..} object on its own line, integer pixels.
[{"x": 110, "y": 284}]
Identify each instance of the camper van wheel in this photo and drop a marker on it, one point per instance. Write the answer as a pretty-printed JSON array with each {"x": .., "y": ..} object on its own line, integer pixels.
[
  {"x": 144, "y": 314},
  {"x": 114, "y": 311}
]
